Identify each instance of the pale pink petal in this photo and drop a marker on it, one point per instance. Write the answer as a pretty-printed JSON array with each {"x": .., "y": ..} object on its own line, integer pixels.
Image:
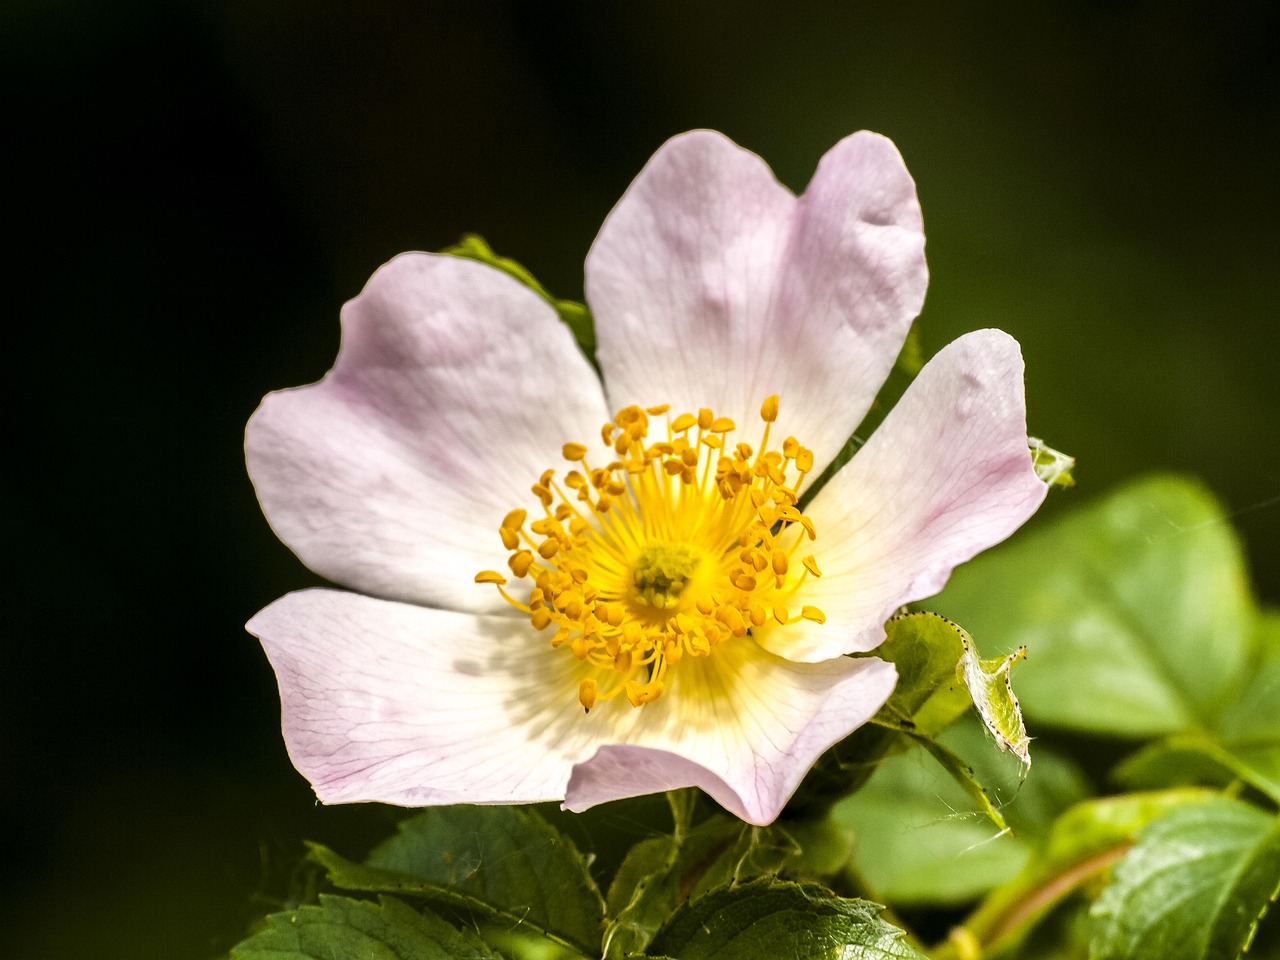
[
  {"x": 712, "y": 285},
  {"x": 390, "y": 702},
  {"x": 401, "y": 704},
  {"x": 947, "y": 475},
  {"x": 743, "y": 725},
  {"x": 454, "y": 388}
]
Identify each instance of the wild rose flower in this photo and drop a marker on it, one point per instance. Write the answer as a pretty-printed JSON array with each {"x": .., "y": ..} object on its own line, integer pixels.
[{"x": 656, "y": 611}]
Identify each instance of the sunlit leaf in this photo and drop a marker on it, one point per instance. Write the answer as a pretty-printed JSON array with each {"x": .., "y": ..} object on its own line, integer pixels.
[
  {"x": 1080, "y": 845},
  {"x": 343, "y": 929},
  {"x": 501, "y": 862},
  {"x": 1135, "y": 612},
  {"x": 765, "y": 920},
  {"x": 1193, "y": 887}
]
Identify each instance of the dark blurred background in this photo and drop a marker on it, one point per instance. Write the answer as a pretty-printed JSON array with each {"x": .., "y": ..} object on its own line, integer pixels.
[{"x": 193, "y": 189}]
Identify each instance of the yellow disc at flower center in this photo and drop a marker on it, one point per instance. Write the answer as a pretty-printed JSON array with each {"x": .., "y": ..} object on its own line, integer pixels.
[
  {"x": 677, "y": 544},
  {"x": 661, "y": 575}
]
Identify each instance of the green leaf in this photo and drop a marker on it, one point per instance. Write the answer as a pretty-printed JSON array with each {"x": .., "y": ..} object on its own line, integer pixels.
[
  {"x": 499, "y": 862},
  {"x": 1080, "y": 845},
  {"x": 575, "y": 315},
  {"x": 656, "y": 876},
  {"x": 1249, "y": 727},
  {"x": 920, "y": 837},
  {"x": 992, "y": 691},
  {"x": 764, "y": 920},
  {"x": 1193, "y": 887},
  {"x": 343, "y": 929},
  {"x": 1135, "y": 612}
]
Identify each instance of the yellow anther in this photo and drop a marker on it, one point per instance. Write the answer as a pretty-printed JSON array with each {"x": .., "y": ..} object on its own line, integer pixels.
[
  {"x": 811, "y": 564},
  {"x": 520, "y": 562},
  {"x": 814, "y": 614},
  {"x": 804, "y": 460},
  {"x": 641, "y": 693},
  {"x": 629, "y": 570}
]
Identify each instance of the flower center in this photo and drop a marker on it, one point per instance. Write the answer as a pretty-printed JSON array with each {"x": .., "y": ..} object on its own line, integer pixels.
[
  {"x": 675, "y": 546},
  {"x": 661, "y": 574}
]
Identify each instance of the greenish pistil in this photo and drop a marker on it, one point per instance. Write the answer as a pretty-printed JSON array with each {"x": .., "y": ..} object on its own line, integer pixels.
[{"x": 662, "y": 572}]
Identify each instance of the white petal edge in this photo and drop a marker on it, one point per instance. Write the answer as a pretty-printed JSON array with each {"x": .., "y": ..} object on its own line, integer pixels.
[
  {"x": 947, "y": 475},
  {"x": 385, "y": 701},
  {"x": 454, "y": 388},
  {"x": 712, "y": 285},
  {"x": 743, "y": 725}
]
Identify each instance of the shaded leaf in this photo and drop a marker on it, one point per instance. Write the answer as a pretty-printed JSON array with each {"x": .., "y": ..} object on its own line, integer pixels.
[
  {"x": 343, "y": 929},
  {"x": 1193, "y": 887},
  {"x": 765, "y": 919},
  {"x": 1135, "y": 611},
  {"x": 500, "y": 862},
  {"x": 1080, "y": 845},
  {"x": 919, "y": 837}
]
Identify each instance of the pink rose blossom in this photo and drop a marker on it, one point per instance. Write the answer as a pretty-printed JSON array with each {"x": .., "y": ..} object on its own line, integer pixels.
[{"x": 677, "y": 592}]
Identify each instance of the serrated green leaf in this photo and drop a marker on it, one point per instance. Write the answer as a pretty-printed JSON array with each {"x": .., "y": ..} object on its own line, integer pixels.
[
  {"x": 343, "y": 929},
  {"x": 1193, "y": 887},
  {"x": 992, "y": 691},
  {"x": 501, "y": 862},
  {"x": 575, "y": 315},
  {"x": 1078, "y": 846},
  {"x": 919, "y": 837},
  {"x": 1135, "y": 612},
  {"x": 656, "y": 875},
  {"x": 765, "y": 920}
]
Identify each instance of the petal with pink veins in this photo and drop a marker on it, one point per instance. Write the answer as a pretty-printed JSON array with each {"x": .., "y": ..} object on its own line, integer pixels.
[
  {"x": 947, "y": 475},
  {"x": 712, "y": 285},
  {"x": 390, "y": 702},
  {"x": 454, "y": 388}
]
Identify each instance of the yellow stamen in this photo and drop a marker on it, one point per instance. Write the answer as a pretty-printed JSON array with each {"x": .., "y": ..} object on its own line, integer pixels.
[{"x": 681, "y": 543}]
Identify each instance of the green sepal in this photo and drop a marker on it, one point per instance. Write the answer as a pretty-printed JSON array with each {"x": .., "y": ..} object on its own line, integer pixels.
[
  {"x": 503, "y": 863},
  {"x": 339, "y": 928},
  {"x": 574, "y": 314},
  {"x": 992, "y": 692},
  {"x": 767, "y": 919}
]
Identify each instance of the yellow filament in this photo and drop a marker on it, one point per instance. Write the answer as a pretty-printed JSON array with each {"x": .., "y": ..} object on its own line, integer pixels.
[{"x": 680, "y": 542}]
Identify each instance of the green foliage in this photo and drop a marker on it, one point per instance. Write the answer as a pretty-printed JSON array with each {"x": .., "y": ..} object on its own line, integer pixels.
[
  {"x": 1135, "y": 612},
  {"x": 1146, "y": 662},
  {"x": 500, "y": 863},
  {"x": 1194, "y": 886},
  {"x": 343, "y": 929},
  {"x": 576, "y": 316},
  {"x": 765, "y": 919}
]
